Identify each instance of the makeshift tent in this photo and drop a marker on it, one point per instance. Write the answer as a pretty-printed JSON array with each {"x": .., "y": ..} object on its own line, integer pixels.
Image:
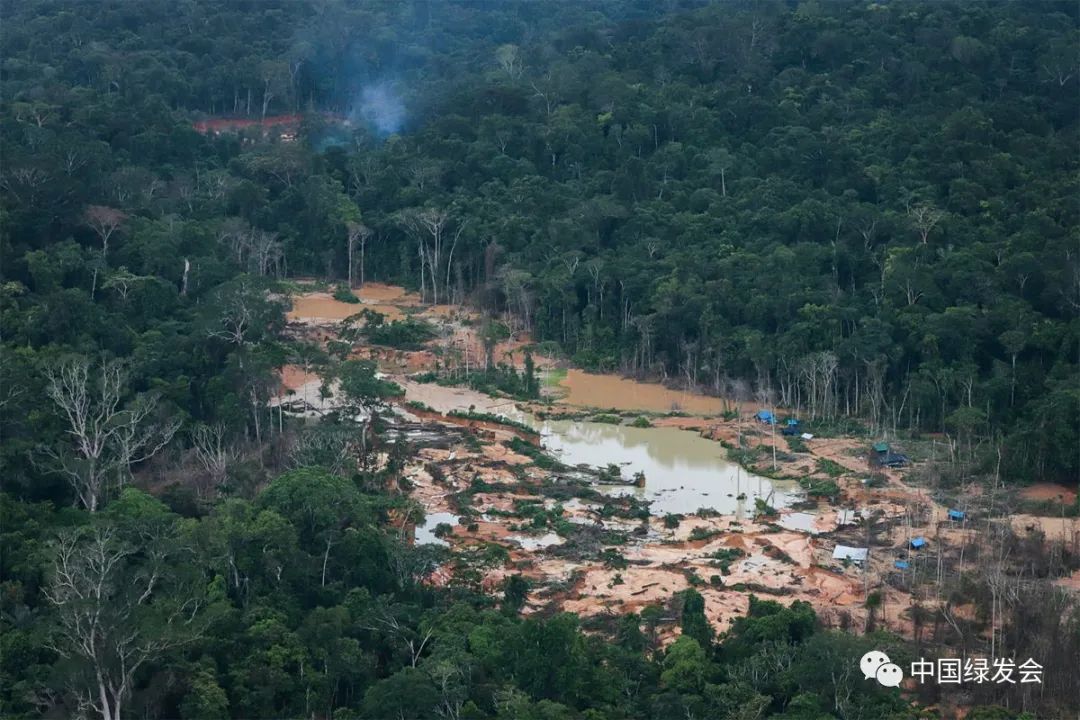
[
  {"x": 856, "y": 555},
  {"x": 956, "y": 514},
  {"x": 766, "y": 417},
  {"x": 918, "y": 542},
  {"x": 792, "y": 422},
  {"x": 902, "y": 564},
  {"x": 894, "y": 460},
  {"x": 881, "y": 448}
]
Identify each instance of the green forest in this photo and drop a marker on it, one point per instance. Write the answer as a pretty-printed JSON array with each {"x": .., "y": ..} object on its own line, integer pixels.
[{"x": 865, "y": 211}]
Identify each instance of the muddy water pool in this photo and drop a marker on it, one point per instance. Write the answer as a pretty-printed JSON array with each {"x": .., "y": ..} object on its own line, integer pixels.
[{"x": 683, "y": 471}]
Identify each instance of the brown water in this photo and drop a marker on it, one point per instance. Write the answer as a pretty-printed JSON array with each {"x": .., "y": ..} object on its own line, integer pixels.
[
  {"x": 611, "y": 391},
  {"x": 683, "y": 471},
  {"x": 318, "y": 307}
]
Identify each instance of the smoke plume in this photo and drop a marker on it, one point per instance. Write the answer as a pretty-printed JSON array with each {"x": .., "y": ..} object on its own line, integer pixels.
[{"x": 380, "y": 107}]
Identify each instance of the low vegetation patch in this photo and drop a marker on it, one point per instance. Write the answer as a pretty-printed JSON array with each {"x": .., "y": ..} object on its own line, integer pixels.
[
  {"x": 830, "y": 467},
  {"x": 724, "y": 557},
  {"x": 796, "y": 444},
  {"x": 821, "y": 488},
  {"x": 342, "y": 293},
  {"x": 700, "y": 533},
  {"x": 407, "y": 334},
  {"x": 488, "y": 417}
]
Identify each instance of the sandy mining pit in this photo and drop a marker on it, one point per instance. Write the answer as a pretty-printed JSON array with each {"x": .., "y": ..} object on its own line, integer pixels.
[
  {"x": 585, "y": 548},
  {"x": 619, "y": 564},
  {"x": 320, "y": 307},
  {"x": 570, "y": 556}
]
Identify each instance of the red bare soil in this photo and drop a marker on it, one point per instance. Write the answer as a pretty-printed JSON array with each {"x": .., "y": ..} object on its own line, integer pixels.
[{"x": 219, "y": 125}]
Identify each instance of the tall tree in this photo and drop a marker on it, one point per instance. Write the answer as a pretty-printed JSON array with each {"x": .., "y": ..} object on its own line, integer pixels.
[{"x": 105, "y": 438}]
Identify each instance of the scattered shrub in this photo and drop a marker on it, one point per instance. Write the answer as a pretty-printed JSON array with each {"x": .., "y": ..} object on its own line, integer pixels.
[
  {"x": 342, "y": 293},
  {"x": 671, "y": 521}
]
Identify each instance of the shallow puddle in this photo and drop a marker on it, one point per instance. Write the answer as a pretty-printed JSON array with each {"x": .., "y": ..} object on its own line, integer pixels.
[
  {"x": 802, "y": 521},
  {"x": 425, "y": 534},
  {"x": 537, "y": 543}
]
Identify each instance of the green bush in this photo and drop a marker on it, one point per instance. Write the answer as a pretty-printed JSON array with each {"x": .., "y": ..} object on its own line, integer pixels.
[
  {"x": 610, "y": 474},
  {"x": 830, "y": 467},
  {"x": 821, "y": 488},
  {"x": 407, "y": 334},
  {"x": 700, "y": 533},
  {"x": 613, "y": 559},
  {"x": 342, "y": 293},
  {"x": 763, "y": 508}
]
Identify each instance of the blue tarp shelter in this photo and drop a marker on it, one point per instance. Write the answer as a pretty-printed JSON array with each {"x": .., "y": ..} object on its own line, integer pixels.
[
  {"x": 881, "y": 448},
  {"x": 902, "y": 564},
  {"x": 918, "y": 542},
  {"x": 792, "y": 422},
  {"x": 957, "y": 514},
  {"x": 766, "y": 417}
]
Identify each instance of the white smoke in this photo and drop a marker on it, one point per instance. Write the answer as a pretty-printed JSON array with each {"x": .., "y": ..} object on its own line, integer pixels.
[{"x": 381, "y": 107}]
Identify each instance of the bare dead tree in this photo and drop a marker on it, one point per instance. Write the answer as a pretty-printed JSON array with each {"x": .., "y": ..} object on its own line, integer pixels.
[
  {"x": 122, "y": 281},
  {"x": 508, "y": 58},
  {"x": 237, "y": 318},
  {"x": 449, "y": 676},
  {"x": 238, "y": 322},
  {"x": 358, "y": 235},
  {"x": 104, "y": 221},
  {"x": 925, "y": 218},
  {"x": 106, "y": 440},
  {"x": 383, "y": 620},
  {"x": 332, "y": 449},
  {"x": 104, "y": 615},
  {"x": 267, "y": 252},
  {"x": 428, "y": 227},
  {"x": 214, "y": 452},
  {"x": 450, "y": 256},
  {"x": 236, "y": 235}
]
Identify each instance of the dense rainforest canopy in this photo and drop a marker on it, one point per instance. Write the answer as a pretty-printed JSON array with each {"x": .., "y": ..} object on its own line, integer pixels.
[
  {"x": 860, "y": 208},
  {"x": 863, "y": 210}
]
